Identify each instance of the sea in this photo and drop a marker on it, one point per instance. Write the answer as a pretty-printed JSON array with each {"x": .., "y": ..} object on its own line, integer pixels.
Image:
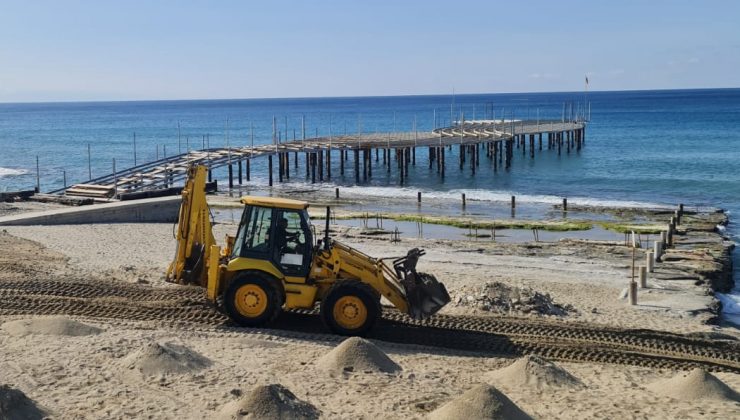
[{"x": 643, "y": 148}]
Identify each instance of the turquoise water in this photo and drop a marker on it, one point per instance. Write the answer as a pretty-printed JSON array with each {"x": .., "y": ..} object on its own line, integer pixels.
[{"x": 659, "y": 147}]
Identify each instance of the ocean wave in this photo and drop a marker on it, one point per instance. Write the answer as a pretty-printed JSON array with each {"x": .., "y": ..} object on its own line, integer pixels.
[
  {"x": 12, "y": 172},
  {"x": 494, "y": 196}
]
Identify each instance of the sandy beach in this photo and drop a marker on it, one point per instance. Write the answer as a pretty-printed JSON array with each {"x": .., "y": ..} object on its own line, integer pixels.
[{"x": 96, "y": 333}]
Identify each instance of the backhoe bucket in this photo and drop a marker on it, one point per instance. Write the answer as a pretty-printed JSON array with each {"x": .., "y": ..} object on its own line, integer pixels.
[
  {"x": 424, "y": 293},
  {"x": 427, "y": 297}
]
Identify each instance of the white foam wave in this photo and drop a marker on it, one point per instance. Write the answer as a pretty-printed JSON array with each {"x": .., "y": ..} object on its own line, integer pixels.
[
  {"x": 12, "y": 172},
  {"x": 492, "y": 196}
]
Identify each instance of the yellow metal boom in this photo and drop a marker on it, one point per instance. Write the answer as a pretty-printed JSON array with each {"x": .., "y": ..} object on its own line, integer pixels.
[{"x": 194, "y": 232}]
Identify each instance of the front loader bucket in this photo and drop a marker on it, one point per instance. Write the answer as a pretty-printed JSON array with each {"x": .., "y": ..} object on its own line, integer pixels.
[{"x": 425, "y": 295}]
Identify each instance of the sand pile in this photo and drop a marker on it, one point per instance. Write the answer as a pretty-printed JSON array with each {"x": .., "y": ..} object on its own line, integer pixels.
[
  {"x": 499, "y": 297},
  {"x": 695, "y": 385},
  {"x": 481, "y": 402},
  {"x": 166, "y": 358},
  {"x": 15, "y": 405},
  {"x": 269, "y": 402},
  {"x": 49, "y": 326},
  {"x": 356, "y": 354},
  {"x": 534, "y": 372}
]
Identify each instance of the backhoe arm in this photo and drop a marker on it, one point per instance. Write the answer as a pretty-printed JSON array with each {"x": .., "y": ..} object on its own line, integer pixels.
[
  {"x": 416, "y": 294},
  {"x": 194, "y": 232}
]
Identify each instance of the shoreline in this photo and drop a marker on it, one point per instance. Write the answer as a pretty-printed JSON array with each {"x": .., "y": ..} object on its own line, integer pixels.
[{"x": 702, "y": 253}]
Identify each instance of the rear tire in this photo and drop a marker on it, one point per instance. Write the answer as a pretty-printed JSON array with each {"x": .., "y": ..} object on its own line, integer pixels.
[
  {"x": 253, "y": 299},
  {"x": 350, "y": 308}
]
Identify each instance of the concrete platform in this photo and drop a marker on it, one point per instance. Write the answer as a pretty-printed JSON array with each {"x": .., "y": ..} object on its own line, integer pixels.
[{"x": 149, "y": 210}]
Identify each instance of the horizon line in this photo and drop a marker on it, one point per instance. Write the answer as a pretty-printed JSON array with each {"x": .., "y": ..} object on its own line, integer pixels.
[{"x": 73, "y": 101}]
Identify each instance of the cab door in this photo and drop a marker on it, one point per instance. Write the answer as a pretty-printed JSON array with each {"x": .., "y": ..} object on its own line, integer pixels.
[{"x": 293, "y": 243}]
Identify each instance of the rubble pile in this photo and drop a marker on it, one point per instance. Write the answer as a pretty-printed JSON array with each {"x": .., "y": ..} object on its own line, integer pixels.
[{"x": 501, "y": 298}]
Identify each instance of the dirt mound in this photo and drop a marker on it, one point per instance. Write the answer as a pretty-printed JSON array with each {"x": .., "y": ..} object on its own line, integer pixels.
[
  {"x": 15, "y": 405},
  {"x": 166, "y": 358},
  {"x": 481, "y": 402},
  {"x": 49, "y": 326},
  {"x": 269, "y": 402},
  {"x": 501, "y": 298},
  {"x": 535, "y": 372},
  {"x": 695, "y": 385},
  {"x": 356, "y": 354}
]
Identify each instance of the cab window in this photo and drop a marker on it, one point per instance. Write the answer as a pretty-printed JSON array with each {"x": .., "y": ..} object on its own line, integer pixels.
[{"x": 254, "y": 233}]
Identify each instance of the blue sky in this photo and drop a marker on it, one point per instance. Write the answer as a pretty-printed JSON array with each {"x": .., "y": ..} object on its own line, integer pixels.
[{"x": 122, "y": 50}]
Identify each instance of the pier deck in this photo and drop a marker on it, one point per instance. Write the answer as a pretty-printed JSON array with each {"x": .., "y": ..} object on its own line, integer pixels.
[{"x": 497, "y": 138}]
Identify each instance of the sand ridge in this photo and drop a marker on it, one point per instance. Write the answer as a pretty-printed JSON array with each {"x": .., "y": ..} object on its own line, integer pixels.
[
  {"x": 533, "y": 372},
  {"x": 481, "y": 402},
  {"x": 695, "y": 385},
  {"x": 49, "y": 326},
  {"x": 357, "y": 354},
  {"x": 272, "y": 401}
]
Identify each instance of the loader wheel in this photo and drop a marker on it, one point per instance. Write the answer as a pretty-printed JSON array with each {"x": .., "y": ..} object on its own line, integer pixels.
[
  {"x": 350, "y": 308},
  {"x": 252, "y": 300}
]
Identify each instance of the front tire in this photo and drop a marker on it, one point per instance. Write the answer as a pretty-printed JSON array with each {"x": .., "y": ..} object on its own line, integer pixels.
[
  {"x": 253, "y": 299},
  {"x": 350, "y": 308}
]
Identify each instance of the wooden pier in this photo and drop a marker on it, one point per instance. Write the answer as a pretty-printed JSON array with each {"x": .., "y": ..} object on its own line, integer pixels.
[{"x": 350, "y": 155}]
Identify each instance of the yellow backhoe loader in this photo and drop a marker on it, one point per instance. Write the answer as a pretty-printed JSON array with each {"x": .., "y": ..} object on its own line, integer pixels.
[{"x": 274, "y": 263}]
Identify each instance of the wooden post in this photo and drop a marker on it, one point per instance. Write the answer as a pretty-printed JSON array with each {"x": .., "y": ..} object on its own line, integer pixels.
[
  {"x": 341, "y": 162},
  {"x": 357, "y": 165},
  {"x": 320, "y": 164},
  {"x": 402, "y": 162},
  {"x": 280, "y": 167},
  {"x": 314, "y": 157},
  {"x": 406, "y": 164},
  {"x": 669, "y": 236},
  {"x": 231, "y": 176},
  {"x": 240, "y": 171},
  {"x": 643, "y": 277},
  {"x": 664, "y": 239},
  {"x": 633, "y": 293},
  {"x": 64, "y": 178},
  {"x": 513, "y": 202},
  {"x": 442, "y": 155},
  {"x": 269, "y": 170},
  {"x": 649, "y": 261},
  {"x": 565, "y": 204},
  {"x": 336, "y": 193},
  {"x": 658, "y": 250},
  {"x": 248, "y": 171},
  {"x": 89, "y": 163},
  {"x": 115, "y": 178},
  {"x": 418, "y": 197},
  {"x": 328, "y": 163},
  {"x": 38, "y": 175},
  {"x": 286, "y": 155},
  {"x": 463, "y": 200}
]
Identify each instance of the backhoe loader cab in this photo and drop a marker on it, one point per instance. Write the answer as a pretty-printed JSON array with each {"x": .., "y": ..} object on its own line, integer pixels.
[{"x": 274, "y": 263}]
